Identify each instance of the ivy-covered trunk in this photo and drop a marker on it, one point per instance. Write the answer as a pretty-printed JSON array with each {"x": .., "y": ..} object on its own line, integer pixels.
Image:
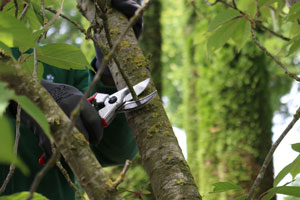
[
  {"x": 232, "y": 133},
  {"x": 151, "y": 41},
  {"x": 161, "y": 155}
]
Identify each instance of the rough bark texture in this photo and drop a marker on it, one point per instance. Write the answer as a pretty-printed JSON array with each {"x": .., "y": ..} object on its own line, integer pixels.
[
  {"x": 75, "y": 149},
  {"x": 161, "y": 155}
]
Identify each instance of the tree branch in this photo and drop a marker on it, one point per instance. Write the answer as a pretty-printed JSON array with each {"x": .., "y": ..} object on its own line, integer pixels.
[
  {"x": 162, "y": 157},
  {"x": 75, "y": 149},
  {"x": 292, "y": 75},
  {"x": 121, "y": 176},
  {"x": 257, "y": 23},
  {"x": 39, "y": 176},
  {"x": 269, "y": 156},
  {"x": 67, "y": 177}
]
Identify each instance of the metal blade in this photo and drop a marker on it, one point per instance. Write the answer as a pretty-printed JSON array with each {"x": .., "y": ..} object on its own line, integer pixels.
[
  {"x": 138, "y": 88},
  {"x": 134, "y": 105}
]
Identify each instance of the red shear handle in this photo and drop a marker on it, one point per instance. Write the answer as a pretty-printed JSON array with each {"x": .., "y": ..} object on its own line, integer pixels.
[{"x": 91, "y": 99}]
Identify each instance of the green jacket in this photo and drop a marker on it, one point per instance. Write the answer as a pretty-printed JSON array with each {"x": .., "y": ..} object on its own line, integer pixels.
[{"x": 116, "y": 146}]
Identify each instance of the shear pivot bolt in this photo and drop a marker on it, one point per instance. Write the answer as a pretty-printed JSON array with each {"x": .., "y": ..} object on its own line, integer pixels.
[{"x": 113, "y": 99}]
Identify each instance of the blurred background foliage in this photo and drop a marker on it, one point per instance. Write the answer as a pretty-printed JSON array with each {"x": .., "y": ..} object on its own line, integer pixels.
[{"x": 224, "y": 100}]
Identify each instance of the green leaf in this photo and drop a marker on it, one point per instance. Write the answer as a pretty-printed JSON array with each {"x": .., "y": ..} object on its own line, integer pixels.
[
  {"x": 296, "y": 147},
  {"x": 5, "y": 48},
  {"x": 7, "y": 154},
  {"x": 5, "y": 96},
  {"x": 35, "y": 113},
  {"x": 22, "y": 196},
  {"x": 221, "y": 35},
  {"x": 282, "y": 174},
  {"x": 294, "y": 47},
  {"x": 242, "y": 33},
  {"x": 292, "y": 168},
  {"x": 287, "y": 190},
  {"x": 29, "y": 66},
  {"x": 294, "y": 12},
  {"x": 268, "y": 2},
  {"x": 247, "y": 6},
  {"x": 64, "y": 56},
  {"x": 14, "y": 32},
  {"x": 47, "y": 3},
  {"x": 225, "y": 186},
  {"x": 222, "y": 18},
  {"x": 243, "y": 197},
  {"x": 32, "y": 19}
]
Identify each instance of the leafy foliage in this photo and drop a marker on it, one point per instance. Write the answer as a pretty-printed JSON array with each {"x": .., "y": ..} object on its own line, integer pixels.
[
  {"x": 7, "y": 154},
  {"x": 225, "y": 186}
]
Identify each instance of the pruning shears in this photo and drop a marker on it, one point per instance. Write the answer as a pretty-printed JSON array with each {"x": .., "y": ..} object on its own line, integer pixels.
[{"x": 109, "y": 106}]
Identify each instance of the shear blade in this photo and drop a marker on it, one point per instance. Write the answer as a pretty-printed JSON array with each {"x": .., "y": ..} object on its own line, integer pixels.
[
  {"x": 138, "y": 88},
  {"x": 134, "y": 105}
]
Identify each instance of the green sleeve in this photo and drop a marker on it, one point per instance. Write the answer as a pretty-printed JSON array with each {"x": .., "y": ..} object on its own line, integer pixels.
[{"x": 118, "y": 143}]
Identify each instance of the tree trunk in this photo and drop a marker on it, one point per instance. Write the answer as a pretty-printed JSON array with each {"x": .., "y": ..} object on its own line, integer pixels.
[
  {"x": 232, "y": 134},
  {"x": 161, "y": 155}
]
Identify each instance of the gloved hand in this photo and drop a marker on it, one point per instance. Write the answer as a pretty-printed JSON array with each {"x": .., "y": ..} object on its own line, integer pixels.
[{"x": 67, "y": 97}]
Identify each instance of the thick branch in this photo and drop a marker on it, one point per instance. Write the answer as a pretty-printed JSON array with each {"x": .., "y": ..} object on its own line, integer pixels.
[
  {"x": 162, "y": 157},
  {"x": 75, "y": 149}
]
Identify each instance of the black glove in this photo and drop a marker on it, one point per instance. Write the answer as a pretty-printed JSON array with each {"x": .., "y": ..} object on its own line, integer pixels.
[{"x": 67, "y": 97}]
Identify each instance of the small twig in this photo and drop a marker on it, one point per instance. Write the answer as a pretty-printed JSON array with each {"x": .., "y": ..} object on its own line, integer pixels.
[
  {"x": 257, "y": 23},
  {"x": 12, "y": 166},
  {"x": 269, "y": 156},
  {"x": 46, "y": 26},
  {"x": 292, "y": 75},
  {"x": 122, "y": 174},
  {"x": 257, "y": 10},
  {"x": 41, "y": 174},
  {"x": 16, "y": 8},
  {"x": 82, "y": 30},
  {"x": 24, "y": 12},
  {"x": 67, "y": 177},
  {"x": 138, "y": 194},
  {"x": 43, "y": 11},
  {"x": 272, "y": 32},
  {"x": 35, "y": 64},
  {"x": 234, "y": 4},
  {"x": 103, "y": 16},
  {"x": 132, "y": 20},
  {"x": 20, "y": 61}
]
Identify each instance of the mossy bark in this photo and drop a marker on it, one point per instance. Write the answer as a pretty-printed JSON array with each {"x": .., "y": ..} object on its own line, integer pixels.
[
  {"x": 74, "y": 147},
  {"x": 161, "y": 155}
]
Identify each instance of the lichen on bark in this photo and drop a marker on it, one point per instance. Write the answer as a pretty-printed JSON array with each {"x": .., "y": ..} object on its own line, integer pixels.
[{"x": 170, "y": 178}]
